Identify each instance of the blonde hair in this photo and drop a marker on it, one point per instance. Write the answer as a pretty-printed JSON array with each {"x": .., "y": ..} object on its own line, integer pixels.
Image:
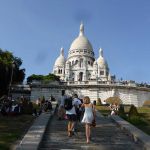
[{"x": 86, "y": 100}]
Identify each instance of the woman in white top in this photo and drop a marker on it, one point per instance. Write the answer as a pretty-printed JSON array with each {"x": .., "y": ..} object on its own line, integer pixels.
[
  {"x": 88, "y": 117},
  {"x": 72, "y": 117}
]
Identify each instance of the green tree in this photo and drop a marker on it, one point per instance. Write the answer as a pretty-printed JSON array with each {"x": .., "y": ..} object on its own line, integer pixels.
[
  {"x": 121, "y": 111},
  {"x": 49, "y": 77},
  {"x": 9, "y": 71},
  {"x": 133, "y": 111}
]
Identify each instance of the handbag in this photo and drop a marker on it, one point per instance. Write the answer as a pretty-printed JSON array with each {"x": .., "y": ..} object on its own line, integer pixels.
[
  {"x": 93, "y": 123},
  {"x": 66, "y": 117}
]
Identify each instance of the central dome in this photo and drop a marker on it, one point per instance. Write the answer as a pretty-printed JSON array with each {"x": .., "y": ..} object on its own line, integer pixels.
[
  {"x": 81, "y": 46},
  {"x": 81, "y": 42}
]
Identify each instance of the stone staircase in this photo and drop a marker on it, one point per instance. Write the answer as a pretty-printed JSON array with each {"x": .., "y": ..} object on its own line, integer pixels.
[{"x": 105, "y": 136}]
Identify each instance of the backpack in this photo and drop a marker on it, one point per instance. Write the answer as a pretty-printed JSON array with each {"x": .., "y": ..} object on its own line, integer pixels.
[
  {"x": 78, "y": 108},
  {"x": 68, "y": 103}
]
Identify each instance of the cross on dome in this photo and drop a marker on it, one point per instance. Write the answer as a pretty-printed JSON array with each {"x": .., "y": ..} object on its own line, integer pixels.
[
  {"x": 101, "y": 52},
  {"x": 62, "y": 51},
  {"x": 81, "y": 29}
]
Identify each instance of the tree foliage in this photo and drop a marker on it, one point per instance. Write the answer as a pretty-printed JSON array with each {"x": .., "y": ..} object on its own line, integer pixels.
[
  {"x": 49, "y": 77},
  {"x": 115, "y": 100},
  {"x": 9, "y": 69},
  {"x": 121, "y": 111},
  {"x": 147, "y": 103},
  {"x": 133, "y": 111},
  {"x": 98, "y": 102}
]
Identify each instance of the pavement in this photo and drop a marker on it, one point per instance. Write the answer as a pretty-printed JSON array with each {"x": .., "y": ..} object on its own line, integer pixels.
[
  {"x": 110, "y": 133},
  {"x": 34, "y": 136},
  {"x": 105, "y": 136},
  {"x": 134, "y": 132}
]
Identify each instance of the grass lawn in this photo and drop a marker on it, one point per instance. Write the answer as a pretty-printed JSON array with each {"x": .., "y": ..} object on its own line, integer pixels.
[
  {"x": 12, "y": 128},
  {"x": 105, "y": 110},
  {"x": 144, "y": 113}
]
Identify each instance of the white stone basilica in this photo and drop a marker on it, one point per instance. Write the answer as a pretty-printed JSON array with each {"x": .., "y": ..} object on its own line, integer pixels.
[
  {"x": 84, "y": 75},
  {"x": 81, "y": 64}
]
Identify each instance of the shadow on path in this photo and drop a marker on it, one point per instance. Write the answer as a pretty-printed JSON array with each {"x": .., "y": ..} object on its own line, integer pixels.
[{"x": 105, "y": 136}]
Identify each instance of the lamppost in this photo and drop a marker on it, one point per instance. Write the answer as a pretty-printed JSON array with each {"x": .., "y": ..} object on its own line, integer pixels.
[{"x": 11, "y": 77}]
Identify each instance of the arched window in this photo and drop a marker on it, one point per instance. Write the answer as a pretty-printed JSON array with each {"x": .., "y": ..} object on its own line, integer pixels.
[
  {"x": 81, "y": 63},
  {"x": 73, "y": 76},
  {"x": 89, "y": 76},
  {"x": 58, "y": 71},
  {"x": 80, "y": 76},
  {"x": 101, "y": 72},
  {"x": 73, "y": 62}
]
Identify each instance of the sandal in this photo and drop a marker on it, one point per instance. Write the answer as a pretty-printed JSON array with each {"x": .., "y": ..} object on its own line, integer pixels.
[
  {"x": 69, "y": 133},
  {"x": 87, "y": 142}
]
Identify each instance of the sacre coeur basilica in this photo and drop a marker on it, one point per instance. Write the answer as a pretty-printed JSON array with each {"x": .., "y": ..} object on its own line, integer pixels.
[
  {"x": 81, "y": 64},
  {"x": 83, "y": 74}
]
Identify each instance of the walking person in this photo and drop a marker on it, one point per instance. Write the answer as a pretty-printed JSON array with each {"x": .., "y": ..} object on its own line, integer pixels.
[
  {"x": 71, "y": 114},
  {"x": 114, "y": 108},
  {"x": 77, "y": 103},
  {"x": 88, "y": 117},
  {"x": 61, "y": 110}
]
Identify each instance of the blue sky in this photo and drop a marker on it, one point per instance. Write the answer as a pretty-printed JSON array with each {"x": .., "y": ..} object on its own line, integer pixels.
[{"x": 35, "y": 30}]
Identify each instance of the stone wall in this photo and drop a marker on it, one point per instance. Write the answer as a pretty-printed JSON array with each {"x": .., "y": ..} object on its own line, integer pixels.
[{"x": 128, "y": 95}]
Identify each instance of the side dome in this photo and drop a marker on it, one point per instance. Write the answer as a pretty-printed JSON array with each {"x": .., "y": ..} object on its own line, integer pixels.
[
  {"x": 101, "y": 61},
  {"x": 60, "y": 61}
]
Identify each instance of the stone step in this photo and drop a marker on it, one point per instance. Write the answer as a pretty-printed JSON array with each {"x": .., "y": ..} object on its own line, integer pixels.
[
  {"x": 93, "y": 147},
  {"x": 105, "y": 136}
]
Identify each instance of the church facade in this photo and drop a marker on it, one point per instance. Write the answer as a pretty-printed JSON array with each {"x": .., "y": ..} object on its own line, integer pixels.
[
  {"x": 83, "y": 74},
  {"x": 81, "y": 64}
]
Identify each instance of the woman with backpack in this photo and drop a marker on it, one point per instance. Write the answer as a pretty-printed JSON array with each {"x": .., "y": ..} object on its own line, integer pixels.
[
  {"x": 69, "y": 105},
  {"x": 88, "y": 117}
]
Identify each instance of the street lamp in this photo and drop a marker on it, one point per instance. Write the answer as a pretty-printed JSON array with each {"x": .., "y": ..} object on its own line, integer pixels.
[{"x": 11, "y": 77}]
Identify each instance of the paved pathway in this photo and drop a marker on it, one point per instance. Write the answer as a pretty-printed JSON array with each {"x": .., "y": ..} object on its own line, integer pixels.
[{"x": 105, "y": 136}]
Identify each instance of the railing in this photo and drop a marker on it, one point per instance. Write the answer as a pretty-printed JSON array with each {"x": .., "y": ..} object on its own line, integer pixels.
[
  {"x": 93, "y": 82},
  {"x": 90, "y": 82},
  {"x": 44, "y": 82},
  {"x": 20, "y": 87}
]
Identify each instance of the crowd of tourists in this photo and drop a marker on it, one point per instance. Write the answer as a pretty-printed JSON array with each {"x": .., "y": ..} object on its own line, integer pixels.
[
  {"x": 73, "y": 109},
  {"x": 77, "y": 110},
  {"x": 43, "y": 105},
  {"x": 22, "y": 105},
  {"x": 9, "y": 106}
]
